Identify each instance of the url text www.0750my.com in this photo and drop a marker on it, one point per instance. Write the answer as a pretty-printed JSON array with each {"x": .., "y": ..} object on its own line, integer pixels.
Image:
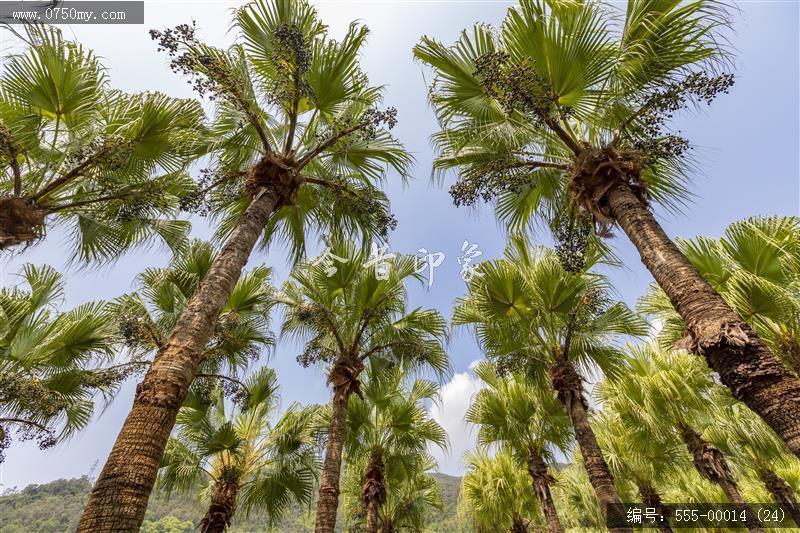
[{"x": 69, "y": 12}]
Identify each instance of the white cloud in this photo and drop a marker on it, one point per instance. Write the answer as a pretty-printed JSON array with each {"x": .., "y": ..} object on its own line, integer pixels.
[
  {"x": 656, "y": 325},
  {"x": 455, "y": 398}
]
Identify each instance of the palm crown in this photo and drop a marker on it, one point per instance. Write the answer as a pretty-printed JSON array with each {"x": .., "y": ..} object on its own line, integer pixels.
[
  {"x": 358, "y": 313},
  {"x": 269, "y": 464},
  {"x": 392, "y": 418},
  {"x": 496, "y": 495},
  {"x": 388, "y": 436},
  {"x": 634, "y": 456},
  {"x": 755, "y": 267},
  {"x": 540, "y": 111},
  {"x": 147, "y": 316},
  {"x": 109, "y": 164},
  {"x": 289, "y": 97},
  {"x": 51, "y": 361},
  {"x": 658, "y": 389},
  {"x": 528, "y": 312},
  {"x": 410, "y": 498},
  {"x": 520, "y": 415}
]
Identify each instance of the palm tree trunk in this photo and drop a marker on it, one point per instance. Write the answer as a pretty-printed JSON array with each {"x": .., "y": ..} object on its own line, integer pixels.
[
  {"x": 373, "y": 493},
  {"x": 568, "y": 387},
  {"x": 518, "y": 526},
  {"x": 733, "y": 350},
  {"x": 542, "y": 480},
  {"x": 222, "y": 508},
  {"x": 781, "y": 492},
  {"x": 652, "y": 499},
  {"x": 328, "y": 500},
  {"x": 711, "y": 464},
  {"x": 119, "y": 498},
  {"x": 372, "y": 518}
]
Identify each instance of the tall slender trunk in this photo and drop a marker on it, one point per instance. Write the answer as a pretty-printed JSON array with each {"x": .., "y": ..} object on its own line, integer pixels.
[
  {"x": 568, "y": 387},
  {"x": 328, "y": 501},
  {"x": 711, "y": 464},
  {"x": 652, "y": 499},
  {"x": 222, "y": 508},
  {"x": 373, "y": 493},
  {"x": 542, "y": 480},
  {"x": 119, "y": 498},
  {"x": 733, "y": 350},
  {"x": 781, "y": 492},
  {"x": 372, "y": 518}
]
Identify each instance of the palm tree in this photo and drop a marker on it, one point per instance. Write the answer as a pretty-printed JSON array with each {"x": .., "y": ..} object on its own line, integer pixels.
[
  {"x": 52, "y": 362},
  {"x": 298, "y": 143},
  {"x": 576, "y": 499},
  {"x": 635, "y": 456},
  {"x": 243, "y": 328},
  {"x": 75, "y": 151},
  {"x": 410, "y": 497},
  {"x": 755, "y": 268},
  {"x": 411, "y": 494},
  {"x": 752, "y": 445},
  {"x": 349, "y": 314},
  {"x": 666, "y": 392},
  {"x": 532, "y": 315},
  {"x": 496, "y": 494},
  {"x": 388, "y": 433},
  {"x": 240, "y": 456},
  {"x": 565, "y": 111},
  {"x": 527, "y": 420}
]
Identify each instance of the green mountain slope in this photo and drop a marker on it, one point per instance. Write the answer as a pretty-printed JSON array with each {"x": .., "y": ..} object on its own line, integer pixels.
[{"x": 56, "y": 506}]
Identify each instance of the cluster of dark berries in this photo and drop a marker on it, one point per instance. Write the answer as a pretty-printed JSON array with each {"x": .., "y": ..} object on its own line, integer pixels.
[
  {"x": 572, "y": 234},
  {"x": 31, "y": 396},
  {"x": 377, "y": 118},
  {"x": 657, "y": 109},
  {"x": 108, "y": 152},
  {"x": 45, "y": 438},
  {"x": 487, "y": 179},
  {"x": 666, "y": 147},
  {"x": 361, "y": 201},
  {"x": 291, "y": 59},
  {"x": 206, "y": 75},
  {"x": 144, "y": 205},
  {"x": 593, "y": 303},
  {"x": 196, "y": 201},
  {"x": 517, "y": 87},
  {"x": 133, "y": 332},
  {"x": 511, "y": 363},
  {"x": 315, "y": 353},
  {"x": 106, "y": 378}
]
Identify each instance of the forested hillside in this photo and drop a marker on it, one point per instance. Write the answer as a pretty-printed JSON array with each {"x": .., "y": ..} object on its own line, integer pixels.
[{"x": 56, "y": 507}]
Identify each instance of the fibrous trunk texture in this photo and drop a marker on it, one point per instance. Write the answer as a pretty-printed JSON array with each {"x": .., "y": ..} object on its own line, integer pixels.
[
  {"x": 542, "y": 480},
  {"x": 373, "y": 493},
  {"x": 222, "y": 508},
  {"x": 518, "y": 526},
  {"x": 119, "y": 498},
  {"x": 568, "y": 387},
  {"x": 652, "y": 499},
  {"x": 343, "y": 380},
  {"x": 733, "y": 350},
  {"x": 710, "y": 463},
  {"x": 781, "y": 492},
  {"x": 20, "y": 222}
]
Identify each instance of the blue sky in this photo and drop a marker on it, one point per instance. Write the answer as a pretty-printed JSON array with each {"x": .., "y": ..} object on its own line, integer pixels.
[{"x": 748, "y": 143}]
